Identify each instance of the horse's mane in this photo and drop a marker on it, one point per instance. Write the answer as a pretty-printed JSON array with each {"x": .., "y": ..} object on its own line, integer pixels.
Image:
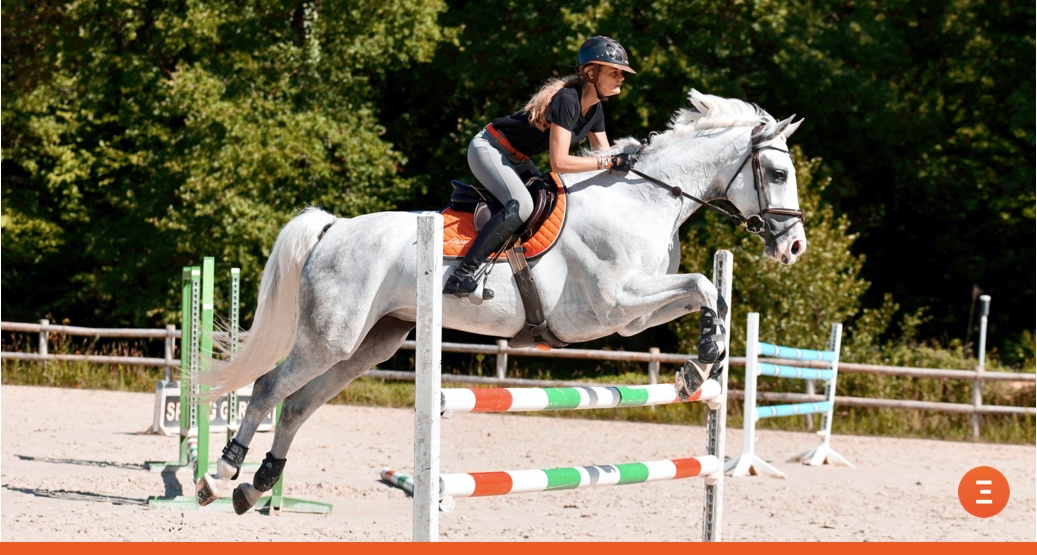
[{"x": 706, "y": 112}]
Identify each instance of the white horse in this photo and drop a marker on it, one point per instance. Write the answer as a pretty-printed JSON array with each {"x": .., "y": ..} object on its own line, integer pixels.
[{"x": 338, "y": 295}]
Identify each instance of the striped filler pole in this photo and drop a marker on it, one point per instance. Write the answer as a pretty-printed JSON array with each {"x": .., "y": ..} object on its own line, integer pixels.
[
  {"x": 778, "y": 371},
  {"x": 484, "y": 484},
  {"x": 463, "y": 400},
  {"x": 481, "y": 484},
  {"x": 792, "y": 353},
  {"x": 792, "y": 410},
  {"x": 406, "y": 483}
]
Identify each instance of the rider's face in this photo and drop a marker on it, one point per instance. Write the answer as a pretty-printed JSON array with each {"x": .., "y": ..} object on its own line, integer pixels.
[{"x": 610, "y": 80}]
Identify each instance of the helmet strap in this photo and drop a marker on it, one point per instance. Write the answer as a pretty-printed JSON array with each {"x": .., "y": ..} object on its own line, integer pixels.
[{"x": 594, "y": 82}]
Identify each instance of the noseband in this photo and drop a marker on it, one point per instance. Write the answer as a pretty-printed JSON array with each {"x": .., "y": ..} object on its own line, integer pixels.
[{"x": 754, "y": 223}]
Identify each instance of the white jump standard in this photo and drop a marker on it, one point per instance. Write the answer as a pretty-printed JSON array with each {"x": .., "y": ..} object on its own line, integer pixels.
[
  {"x": 750, "y": 463},
  {"x": 433, "y": 491}
]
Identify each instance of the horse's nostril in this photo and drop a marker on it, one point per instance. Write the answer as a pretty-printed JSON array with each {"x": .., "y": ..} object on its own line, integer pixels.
[{"x": 796, "y": 246}]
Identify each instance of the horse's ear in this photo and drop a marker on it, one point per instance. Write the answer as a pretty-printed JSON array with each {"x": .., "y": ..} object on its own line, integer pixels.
[
  {"x": 788, "y": 128},
  {"x": 780, "y": 128}
]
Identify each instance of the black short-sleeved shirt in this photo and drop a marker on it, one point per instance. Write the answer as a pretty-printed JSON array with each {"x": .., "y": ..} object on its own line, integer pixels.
[{"x": 565, "y": 111}]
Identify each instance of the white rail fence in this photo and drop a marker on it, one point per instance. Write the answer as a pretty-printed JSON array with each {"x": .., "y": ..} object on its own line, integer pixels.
[{"x": 653, "y": 358}]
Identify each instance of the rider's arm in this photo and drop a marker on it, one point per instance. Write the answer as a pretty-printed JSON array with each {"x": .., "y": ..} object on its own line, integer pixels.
[
  {"x": 599, "y": 140},
  {"x": 562, "y": 161}
]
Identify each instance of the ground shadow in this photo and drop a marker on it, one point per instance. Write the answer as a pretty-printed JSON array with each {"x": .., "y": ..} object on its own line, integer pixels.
[
  {"x": 79, "y": 496},
  {"x": 80, "y": 462}
]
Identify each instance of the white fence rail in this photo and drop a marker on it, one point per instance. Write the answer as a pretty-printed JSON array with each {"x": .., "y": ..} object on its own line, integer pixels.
[{"x": 653, "y": 358}]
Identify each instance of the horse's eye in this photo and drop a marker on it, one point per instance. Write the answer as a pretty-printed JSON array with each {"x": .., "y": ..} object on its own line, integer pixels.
[{"x": 780, "y": 175}]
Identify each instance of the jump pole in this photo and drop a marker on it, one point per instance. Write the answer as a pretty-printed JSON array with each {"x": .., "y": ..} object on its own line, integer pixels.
[{"x": 431, "y": 401}]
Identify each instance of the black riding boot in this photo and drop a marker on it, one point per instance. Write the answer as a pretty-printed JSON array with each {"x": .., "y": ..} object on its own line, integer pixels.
[{"x": 497, "y": 230}]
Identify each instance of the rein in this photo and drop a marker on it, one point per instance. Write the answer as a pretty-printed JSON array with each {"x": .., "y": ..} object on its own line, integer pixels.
[{"x": 754, "y": 223}]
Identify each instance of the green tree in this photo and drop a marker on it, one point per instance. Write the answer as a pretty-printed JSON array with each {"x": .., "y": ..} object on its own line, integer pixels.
[
  {"x": 141, "y": 135},
  {"x": 922, "y": 112}
]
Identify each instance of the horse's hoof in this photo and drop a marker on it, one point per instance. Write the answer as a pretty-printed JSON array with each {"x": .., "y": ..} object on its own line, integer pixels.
[
  {"x": 688, "y": 380},
  {"x": 205, "y": 491},
  {"x": 244, "y": 498}
]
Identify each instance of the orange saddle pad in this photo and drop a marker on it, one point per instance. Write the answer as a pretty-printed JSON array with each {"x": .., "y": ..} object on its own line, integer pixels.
[{"x": 459, "y": 229}]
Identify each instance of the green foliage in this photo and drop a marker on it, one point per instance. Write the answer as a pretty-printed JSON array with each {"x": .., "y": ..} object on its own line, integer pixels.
[
  {"x": 922, "y": 113},
  {"x": 140, "y": 136}
]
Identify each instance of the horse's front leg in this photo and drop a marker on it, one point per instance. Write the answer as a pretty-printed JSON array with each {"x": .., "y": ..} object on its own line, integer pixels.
[{"x": 671, "y": 296}]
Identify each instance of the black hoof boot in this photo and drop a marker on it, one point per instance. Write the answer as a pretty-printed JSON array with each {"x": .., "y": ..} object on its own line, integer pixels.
[
  {"x": 234, "y": 453},
  {"x": 711, "y": 337},
  {"x": 269, "y": 473}
]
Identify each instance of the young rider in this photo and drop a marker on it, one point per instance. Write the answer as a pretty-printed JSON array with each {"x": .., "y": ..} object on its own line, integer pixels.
[{"x": 560, "y": 115}]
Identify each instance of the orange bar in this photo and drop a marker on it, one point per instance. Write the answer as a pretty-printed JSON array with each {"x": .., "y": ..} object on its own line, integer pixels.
[{"x": 491, "y": 483}]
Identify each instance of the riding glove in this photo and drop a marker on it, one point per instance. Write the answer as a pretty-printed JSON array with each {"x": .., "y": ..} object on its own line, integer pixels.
[{"x": 623, "y": 162}]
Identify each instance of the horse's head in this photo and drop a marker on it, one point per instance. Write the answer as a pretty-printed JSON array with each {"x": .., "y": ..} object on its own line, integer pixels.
[
  {"x": 728, "y": 149},
  {"x": 767, "y": 194}
]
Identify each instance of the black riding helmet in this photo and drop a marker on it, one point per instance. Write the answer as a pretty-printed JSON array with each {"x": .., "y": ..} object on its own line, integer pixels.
[{"x": 604, "y": 50}]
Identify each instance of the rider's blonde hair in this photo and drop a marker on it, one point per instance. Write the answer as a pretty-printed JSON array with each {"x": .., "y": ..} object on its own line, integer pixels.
[{"x": 537, "y": 107}]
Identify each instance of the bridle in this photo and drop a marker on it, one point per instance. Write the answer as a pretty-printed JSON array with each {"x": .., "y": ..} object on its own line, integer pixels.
[{"x": 754, "y": 223}]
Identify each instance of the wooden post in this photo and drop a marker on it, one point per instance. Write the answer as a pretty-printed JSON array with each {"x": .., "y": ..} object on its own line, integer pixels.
[
  {"x": 43, "y": 340},
  {"x": 810, "y": 391},
  {"x": 977, "y": 386},
  {"x": 170, "y": 333},
  {"x": 653, "y": 365},
  {"x": 502, "y": 359}
]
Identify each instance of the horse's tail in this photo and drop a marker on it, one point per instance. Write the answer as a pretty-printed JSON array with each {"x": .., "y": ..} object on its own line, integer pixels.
[{"x": 277, "y": 313}]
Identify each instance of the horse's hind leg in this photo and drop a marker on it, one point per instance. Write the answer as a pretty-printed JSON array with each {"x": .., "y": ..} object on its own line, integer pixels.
[
  {"x": 381, "y": 343},
  {"x": 301, "y": 366}
]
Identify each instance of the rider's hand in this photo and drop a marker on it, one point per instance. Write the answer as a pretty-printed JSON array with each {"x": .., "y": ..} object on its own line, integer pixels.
[{"x": 623, "y": 162}]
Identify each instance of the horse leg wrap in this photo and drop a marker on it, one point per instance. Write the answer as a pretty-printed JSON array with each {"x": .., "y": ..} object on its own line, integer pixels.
[
  {"x": 269, "y": 472},
  {"x": 234, "y": 454},
  {"x": 711, "y": 337}
]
